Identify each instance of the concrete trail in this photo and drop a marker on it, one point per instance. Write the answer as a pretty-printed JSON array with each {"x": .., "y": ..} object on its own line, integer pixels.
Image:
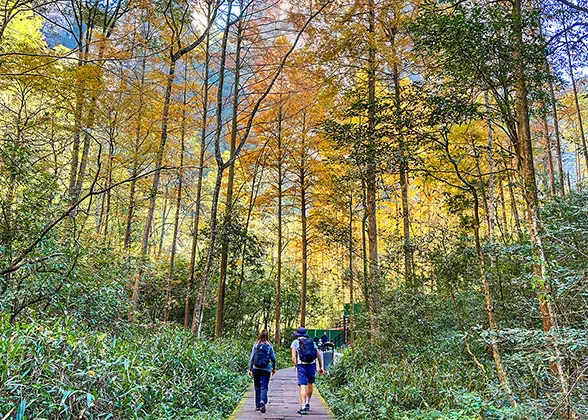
[{"x": 282, "y": 401}]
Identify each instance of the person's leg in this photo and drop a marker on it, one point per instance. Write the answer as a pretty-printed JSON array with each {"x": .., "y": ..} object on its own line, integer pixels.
[
  {"x": 257, "y": 385},
  {"x": 308, "y": 393},
  {"x": 264, "y": 383},
  {"x": 302, "y": 389},
  {"x": 302, "y": 384},
  {"x": 310, "y": 376}
]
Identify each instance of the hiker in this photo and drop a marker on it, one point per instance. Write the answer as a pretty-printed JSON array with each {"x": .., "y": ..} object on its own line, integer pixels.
[
  {"x": 324, "y": 338},
  {"x": 262, "y": 364},
  {"x": 304, "y": 356}
]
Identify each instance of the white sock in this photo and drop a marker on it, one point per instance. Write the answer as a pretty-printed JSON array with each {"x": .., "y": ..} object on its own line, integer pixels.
[{"x": 307, "y": 400}]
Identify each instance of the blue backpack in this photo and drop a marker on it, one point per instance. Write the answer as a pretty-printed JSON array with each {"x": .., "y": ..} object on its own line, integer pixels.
[
  {"x": 306, "y": 350},
  {"x": 261, "y": 357}
]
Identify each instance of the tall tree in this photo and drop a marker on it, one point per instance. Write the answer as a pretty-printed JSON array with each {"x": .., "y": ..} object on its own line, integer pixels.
[{"x": 176, "y": 25}]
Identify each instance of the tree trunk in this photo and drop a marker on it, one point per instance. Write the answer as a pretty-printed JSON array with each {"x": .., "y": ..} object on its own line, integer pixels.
[
  {"x": 222, "y": 282},
  {"x": 170, "y": 278},
  {"x": 502, "y": 375},
  {"x": 513, "y": 205},
  {"x": 560, "y": 168},
  {"x": 255, "y": 186},
  {"x": 199, "y": 306},
  {"x": 75, "y": 151},
  {"x": 364, "y": 251},
  {"x": 525, "y": 153},
  {"x": 109, "y": 183},
  {"x": 371, "y": 177},
  {"x": 93, "y": 105},
  {"x": 548, "y": 153},
  {"x": 303, "y": 223},
  {"x": 492, "y": 198},
  {"x": 136, "y": 150},
  {"x": 278, "y": 308},
  {"x": 505, "y": 226},
  {"x": 164, "y": 215},
  {"x": 403, "y": 180},
  {"x": 576, "y": 100},
  {"x": 198, "y": 309},
  {"x": 351, "y": 274},
  {"x": 196, "y": 223},
  {"x": 154, "y": 189}
]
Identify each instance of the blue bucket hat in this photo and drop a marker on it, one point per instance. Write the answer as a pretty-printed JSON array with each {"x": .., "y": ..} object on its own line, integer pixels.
[{"x": 300, "y": 332}]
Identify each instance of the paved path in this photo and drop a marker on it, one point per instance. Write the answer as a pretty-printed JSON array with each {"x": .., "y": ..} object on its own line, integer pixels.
[{"x": 282, "y": 401}]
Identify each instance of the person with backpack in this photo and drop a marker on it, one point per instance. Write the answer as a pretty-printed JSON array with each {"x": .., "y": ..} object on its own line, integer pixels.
[
  {"x": 262, "y": 365},
  {"x": 305, "y": 355}
]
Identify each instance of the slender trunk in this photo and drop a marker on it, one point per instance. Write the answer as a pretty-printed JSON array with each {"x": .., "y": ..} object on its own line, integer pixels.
[
  {"x": 89, "y": 126},
  {"x": 548, "y": 153},
  {"x": 255, "y": 186},
  {"x": 222, "y": 282},
  {"x": 525, "y": 154},
  {"x": 84, "y": 33},
  {"x": 154, "y": 189},
  {"x": 109, "y": 183},
  {"x": 170, "y": 278},
  {"x": 351, "y": 274},
  {"x": 75, "y": 151},
  {"x": 364, "y": 251},
  {"x": 371, "y": 178},
  {"x": 196, "y": 222},
  {"x": 136, "y": 150},
  {"x": 578, "y": 165},
  {"x": 403, "y": 179},
  {"x": 502, "y": 375},
  {"x": 513, "y": 206},
  {"x": 199, "y": 306},
  {"x": 278, "y": 309},
  {"x": 164, "y": 215},
  {"x": 492, "y": 199},
  {"x": 505, "y": 226},
  {"x": 560, "y": 169},
  {"x": 303, "y": 223},
  {"x": 576, "y": 100}
]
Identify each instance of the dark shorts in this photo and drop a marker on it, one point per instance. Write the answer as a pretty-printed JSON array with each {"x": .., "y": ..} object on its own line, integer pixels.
[{"x": 306, "y": 373}]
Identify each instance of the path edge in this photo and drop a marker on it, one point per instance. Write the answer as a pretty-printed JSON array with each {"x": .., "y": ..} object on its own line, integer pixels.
[
  {"x": 241, "y": 403},
  {"x": 318, "y": 392}
]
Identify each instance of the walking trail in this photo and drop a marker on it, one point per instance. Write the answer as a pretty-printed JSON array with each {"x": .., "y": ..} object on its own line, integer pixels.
[{"x": 282, "y": 401}]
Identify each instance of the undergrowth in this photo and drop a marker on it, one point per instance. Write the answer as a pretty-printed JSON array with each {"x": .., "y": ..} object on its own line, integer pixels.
[
  {"x": 56, "y": 369},
  {"x": 426, "y": 386}
]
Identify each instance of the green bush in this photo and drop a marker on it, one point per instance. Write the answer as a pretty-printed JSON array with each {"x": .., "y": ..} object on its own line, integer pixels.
[
  {"x": 60, "y": 370},
  {"x": 367, "y": 384}
]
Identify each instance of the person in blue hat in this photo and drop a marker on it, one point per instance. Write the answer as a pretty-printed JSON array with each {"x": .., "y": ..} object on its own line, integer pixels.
[{"x": 305, "y": 355}]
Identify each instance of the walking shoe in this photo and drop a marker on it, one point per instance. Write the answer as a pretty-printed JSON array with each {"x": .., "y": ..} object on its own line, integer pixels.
[
  {"x": 302, "y": 411},
  {"x": 307, "y": 407},
  {"x": 262, "y": 407},
  {"x": 257, "y": 408}
]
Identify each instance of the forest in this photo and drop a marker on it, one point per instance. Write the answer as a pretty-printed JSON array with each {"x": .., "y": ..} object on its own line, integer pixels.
[{"x": 177, "y": 175}]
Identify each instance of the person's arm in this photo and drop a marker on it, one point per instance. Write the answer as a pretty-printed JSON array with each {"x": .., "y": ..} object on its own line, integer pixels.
[
  {"x": 251, "y": 360},
  {"x": 320, "y": 360},
  {"x": 273, "y": 359},
  {"x": 294, "y": 358}
]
